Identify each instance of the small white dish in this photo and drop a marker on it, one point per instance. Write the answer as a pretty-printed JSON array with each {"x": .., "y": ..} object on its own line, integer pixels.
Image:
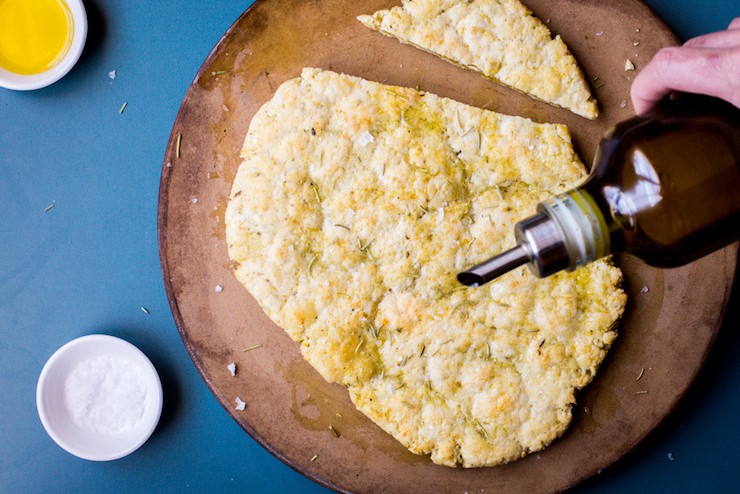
[
  {"x": 59, "y": 419},
  {"x": 21, "y": 82}
]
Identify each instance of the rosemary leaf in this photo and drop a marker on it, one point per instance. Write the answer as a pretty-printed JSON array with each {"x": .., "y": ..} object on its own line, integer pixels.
[
  {"x": 464, "y": 302},
  {"x": 363, "y": 247},
  {"x": 316, "y": 192},
  {"x": 334, "y": 431},
  {"x": 311, "y": 263},
  {"x": 480, "y": 429}
]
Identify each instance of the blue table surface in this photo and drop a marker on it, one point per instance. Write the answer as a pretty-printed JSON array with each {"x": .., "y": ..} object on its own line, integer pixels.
[{"x": 91, "y": 263}]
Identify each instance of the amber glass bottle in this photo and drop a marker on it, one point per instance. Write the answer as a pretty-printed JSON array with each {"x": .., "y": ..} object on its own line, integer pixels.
[{"x": 665, "y": 187}]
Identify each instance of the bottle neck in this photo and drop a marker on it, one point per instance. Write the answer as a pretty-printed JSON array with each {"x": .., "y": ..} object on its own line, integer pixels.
[{"x": 583, "y": 231}]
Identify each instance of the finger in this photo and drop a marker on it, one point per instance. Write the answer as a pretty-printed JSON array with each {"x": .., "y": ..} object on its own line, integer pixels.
[
  {"x": 734, "y": 24},
  {"x": 722, "y": 39},
  {"x": 693, "y": 70}
]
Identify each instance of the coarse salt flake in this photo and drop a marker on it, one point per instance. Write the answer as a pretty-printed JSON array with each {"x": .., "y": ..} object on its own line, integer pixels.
[
  {"x": 644, "y": 289},
  {"x": 628, "y": 65},
  {"x": 232, "y": 368},
  {"x": 365, "y": 139},
  {"x": 194, "y": 200},
  {"x": 240, "y": 405},
  {"x": 218, "y": 289},
  {"x": 112, "y": 74}
]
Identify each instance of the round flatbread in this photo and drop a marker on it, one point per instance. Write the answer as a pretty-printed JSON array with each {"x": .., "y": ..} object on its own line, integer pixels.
[{"x": 354, "y": 208}]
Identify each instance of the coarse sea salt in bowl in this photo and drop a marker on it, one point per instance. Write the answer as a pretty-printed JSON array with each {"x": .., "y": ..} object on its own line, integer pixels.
[{"x": 99, "y": 397}]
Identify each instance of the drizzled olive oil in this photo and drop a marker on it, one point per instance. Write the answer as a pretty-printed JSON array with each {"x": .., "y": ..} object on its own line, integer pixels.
[{"x": 34, "y": 34}]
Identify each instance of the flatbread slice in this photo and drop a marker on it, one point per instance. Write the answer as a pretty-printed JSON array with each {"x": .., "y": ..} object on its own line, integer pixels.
[
  {"x": 500, "y": 39},
  {"x": 354, "y": 208}
]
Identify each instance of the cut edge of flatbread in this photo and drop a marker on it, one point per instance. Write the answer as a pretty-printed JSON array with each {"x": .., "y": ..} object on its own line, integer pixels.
[{"x": 486, "y": 36}]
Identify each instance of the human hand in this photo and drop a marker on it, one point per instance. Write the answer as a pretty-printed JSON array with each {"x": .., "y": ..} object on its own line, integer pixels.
[{"x": 708, "y": 64}]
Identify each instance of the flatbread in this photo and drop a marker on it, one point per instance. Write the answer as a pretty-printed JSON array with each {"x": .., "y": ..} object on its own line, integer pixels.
[
  {"x": 354, "y": 208},
  {"x": 500, "y": 39}
]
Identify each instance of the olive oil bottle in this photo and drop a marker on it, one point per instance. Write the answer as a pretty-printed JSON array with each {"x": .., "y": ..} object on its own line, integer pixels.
[{"x": 665, "y": 187}]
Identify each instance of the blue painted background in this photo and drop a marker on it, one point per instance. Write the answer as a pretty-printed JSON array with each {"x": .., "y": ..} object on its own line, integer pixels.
[{"x": 90, "y": 263}]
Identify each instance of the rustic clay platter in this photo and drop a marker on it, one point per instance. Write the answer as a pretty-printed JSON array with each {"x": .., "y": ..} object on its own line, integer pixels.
[{"x": 671, "y": 319}]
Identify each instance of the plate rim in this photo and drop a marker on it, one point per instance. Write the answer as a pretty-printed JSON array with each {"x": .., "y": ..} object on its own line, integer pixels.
[{"x": 162, "y": 241}]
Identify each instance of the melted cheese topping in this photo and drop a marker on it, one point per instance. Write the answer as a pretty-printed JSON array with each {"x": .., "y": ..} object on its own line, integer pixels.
[{"x": 356, "y": 205}]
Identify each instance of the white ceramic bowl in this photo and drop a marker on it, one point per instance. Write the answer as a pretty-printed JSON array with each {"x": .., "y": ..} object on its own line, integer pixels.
[
  {"x": 56, "y": 417},
  {"x": 11, "y": 80}
]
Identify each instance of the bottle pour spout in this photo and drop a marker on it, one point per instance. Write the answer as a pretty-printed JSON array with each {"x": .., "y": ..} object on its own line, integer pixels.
[
  {"x": 494, "y": 267},
  {"x": 565, "y": 233}
]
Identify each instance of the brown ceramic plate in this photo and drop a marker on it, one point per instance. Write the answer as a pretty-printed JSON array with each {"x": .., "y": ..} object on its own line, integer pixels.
[{"x": 672, "y": 316}]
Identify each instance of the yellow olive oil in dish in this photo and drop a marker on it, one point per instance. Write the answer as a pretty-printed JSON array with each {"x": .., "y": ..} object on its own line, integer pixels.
[{"x": 34, "y": 34}]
